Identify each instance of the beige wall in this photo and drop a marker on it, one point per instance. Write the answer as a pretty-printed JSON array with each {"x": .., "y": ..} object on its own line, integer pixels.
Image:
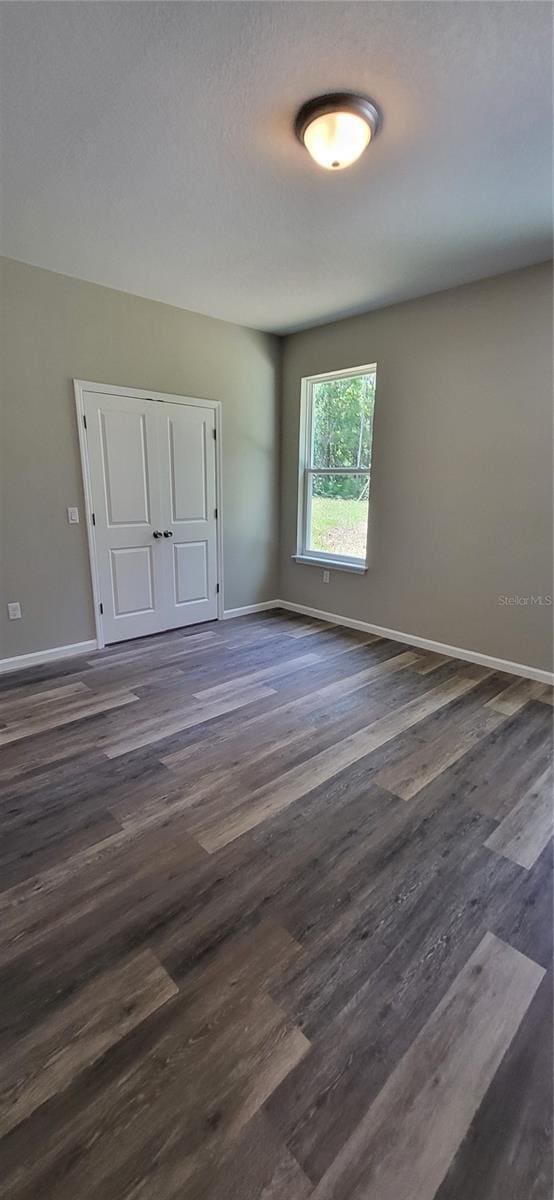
[
  {"x": 461, "y": 501},
  {"x": 55, "y": 329}
]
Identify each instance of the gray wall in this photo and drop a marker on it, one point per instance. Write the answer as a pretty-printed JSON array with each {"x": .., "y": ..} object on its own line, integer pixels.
[
  {"x": 55, "y": 329},
  {"x": 461, "y": 500}
]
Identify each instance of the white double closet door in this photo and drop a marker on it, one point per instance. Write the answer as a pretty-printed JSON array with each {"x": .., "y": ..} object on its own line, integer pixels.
[{"x": 152, "y": 473}]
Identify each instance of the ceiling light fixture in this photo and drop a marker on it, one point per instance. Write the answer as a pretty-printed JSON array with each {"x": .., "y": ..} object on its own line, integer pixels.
[{"x": 335, "y": 129}]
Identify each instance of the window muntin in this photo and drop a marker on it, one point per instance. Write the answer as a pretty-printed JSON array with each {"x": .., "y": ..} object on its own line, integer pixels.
[{"x": 338, "y": 436}]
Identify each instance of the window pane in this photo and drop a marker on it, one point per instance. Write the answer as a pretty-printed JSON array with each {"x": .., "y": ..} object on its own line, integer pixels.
[
  {"x": 337, "y": 514},
  {"x": 342, "y": 422}
]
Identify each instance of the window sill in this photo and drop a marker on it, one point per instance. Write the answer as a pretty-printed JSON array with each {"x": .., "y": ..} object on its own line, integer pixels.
[{"x": 330, "y": 564}]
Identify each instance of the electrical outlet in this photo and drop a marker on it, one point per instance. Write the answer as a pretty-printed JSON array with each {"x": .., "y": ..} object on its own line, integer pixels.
[
  {"x": 73, "y": 516},
  {"x": 14, "y": 611},
  {"x": 326, "y": 576}
]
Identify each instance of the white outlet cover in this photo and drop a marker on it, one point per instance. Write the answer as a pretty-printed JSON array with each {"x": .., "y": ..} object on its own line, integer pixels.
[{"x": 14, "y": 611}]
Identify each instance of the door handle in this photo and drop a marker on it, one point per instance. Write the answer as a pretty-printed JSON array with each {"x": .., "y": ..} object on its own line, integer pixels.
[
  {"x": 157, "y": 533},
  {"x": 168, "y": 533}
]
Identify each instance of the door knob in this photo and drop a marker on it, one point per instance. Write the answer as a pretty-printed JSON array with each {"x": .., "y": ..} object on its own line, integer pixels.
[
  {"x": 157, "y": 533},
  {"x": 168, "y": 533}
]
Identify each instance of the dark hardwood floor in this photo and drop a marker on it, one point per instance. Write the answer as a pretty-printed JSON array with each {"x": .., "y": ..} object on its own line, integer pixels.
[{"x": 276, "y": 922}]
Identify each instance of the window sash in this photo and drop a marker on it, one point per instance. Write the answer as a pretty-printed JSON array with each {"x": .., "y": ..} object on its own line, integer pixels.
[
  {"x": 309, "y": 448},
  {"x": 307, "y": 510}
]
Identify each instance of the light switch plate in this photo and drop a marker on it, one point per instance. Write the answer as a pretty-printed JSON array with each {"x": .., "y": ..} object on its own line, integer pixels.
[
  {"x": 73, "y": 516},
  {"x": 14, "y": 611}
]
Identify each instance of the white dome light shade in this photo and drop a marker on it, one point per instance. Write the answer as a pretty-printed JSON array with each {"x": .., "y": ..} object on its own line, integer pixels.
[
  {"x": 336, "y": 129},
  {"x": 336, "y": 140}
]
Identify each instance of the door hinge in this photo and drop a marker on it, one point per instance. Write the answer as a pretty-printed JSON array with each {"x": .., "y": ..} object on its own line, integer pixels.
[
  {"x": 215, "y": 434},
  {"x": 85, "y": 421},
  {"x": 101, "y": 607},
  {"x": 215, "y": 513},
  {"x": 93, "y": 519},
  {"x": 217, "y": 588}
]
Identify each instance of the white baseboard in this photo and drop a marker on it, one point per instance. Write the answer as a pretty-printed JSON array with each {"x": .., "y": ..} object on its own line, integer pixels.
[
  {"x": 230, "y": 613},
  {"x": 20, "y": 661},
  {"x": 473, "y": 656},
  {"x": 37, "y": 657}
]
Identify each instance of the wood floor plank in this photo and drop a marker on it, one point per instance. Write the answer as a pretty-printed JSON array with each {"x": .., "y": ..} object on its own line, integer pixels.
[
  {"x": 507, "y": 1153},
  {"x": 317, "y": 696},
  {"x": 257, "y": 1167},
  {"x": 525, "y": 919},
  {"x": 513, "y": 698},
  {"x": 407, "y": 777},
  {"x": 40, "y": 787},
  {"x": 247, "y": 963},
  {"x": 220, "y": 690},
  {"x": 295, "y": 783},
  {"x": 429, "y": 662},
  {"x": 152, "y": 730},
  {"x": 527, "y": 829},
  {"x": 127, "y": 876},
  {"x": 431, "y": 1097},
  {"x": 164, "y": 1135},
  {"x": 256, "y": 875},
  {"x": 136, "y": 677},
  {"x": 395, "y": 965},
  {"x": 372, "y": 970},
  {"x": 327, "y": 726},
  {"x": 116, "y": 657},
  {"x": 52, "y": 748},
  {"x": 340, "y": 640},
  {"x": 49, "y": 837},
  {"x": 53, "y": 719},
  {"x": 29, "y": 698},
  {"x": 495, "y": 772},
  {"x": 270, "y": 744},
  {"x": 305, "y": 628},
  {"x": 46, "y": 1061},
  {"x": 46, "y": 674},
  {"x": 399, "y": 854}
]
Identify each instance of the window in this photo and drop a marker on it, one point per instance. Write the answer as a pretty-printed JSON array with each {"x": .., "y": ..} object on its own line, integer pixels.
[{"x": 335, "y": 467}]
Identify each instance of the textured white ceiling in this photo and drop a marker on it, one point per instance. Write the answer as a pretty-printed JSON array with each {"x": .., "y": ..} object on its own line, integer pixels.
[{"x": 148, "y": 147}]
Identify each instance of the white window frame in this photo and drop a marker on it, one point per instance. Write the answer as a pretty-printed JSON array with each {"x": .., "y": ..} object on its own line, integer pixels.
[{"x": 303, "y": 554}]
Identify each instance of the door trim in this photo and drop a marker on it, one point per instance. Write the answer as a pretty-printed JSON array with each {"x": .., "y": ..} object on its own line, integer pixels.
[{"x": 80, "y": 386}]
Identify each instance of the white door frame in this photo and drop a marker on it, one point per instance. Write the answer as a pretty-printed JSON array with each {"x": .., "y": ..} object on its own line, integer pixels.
[{"x": 81, "y": 386}]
